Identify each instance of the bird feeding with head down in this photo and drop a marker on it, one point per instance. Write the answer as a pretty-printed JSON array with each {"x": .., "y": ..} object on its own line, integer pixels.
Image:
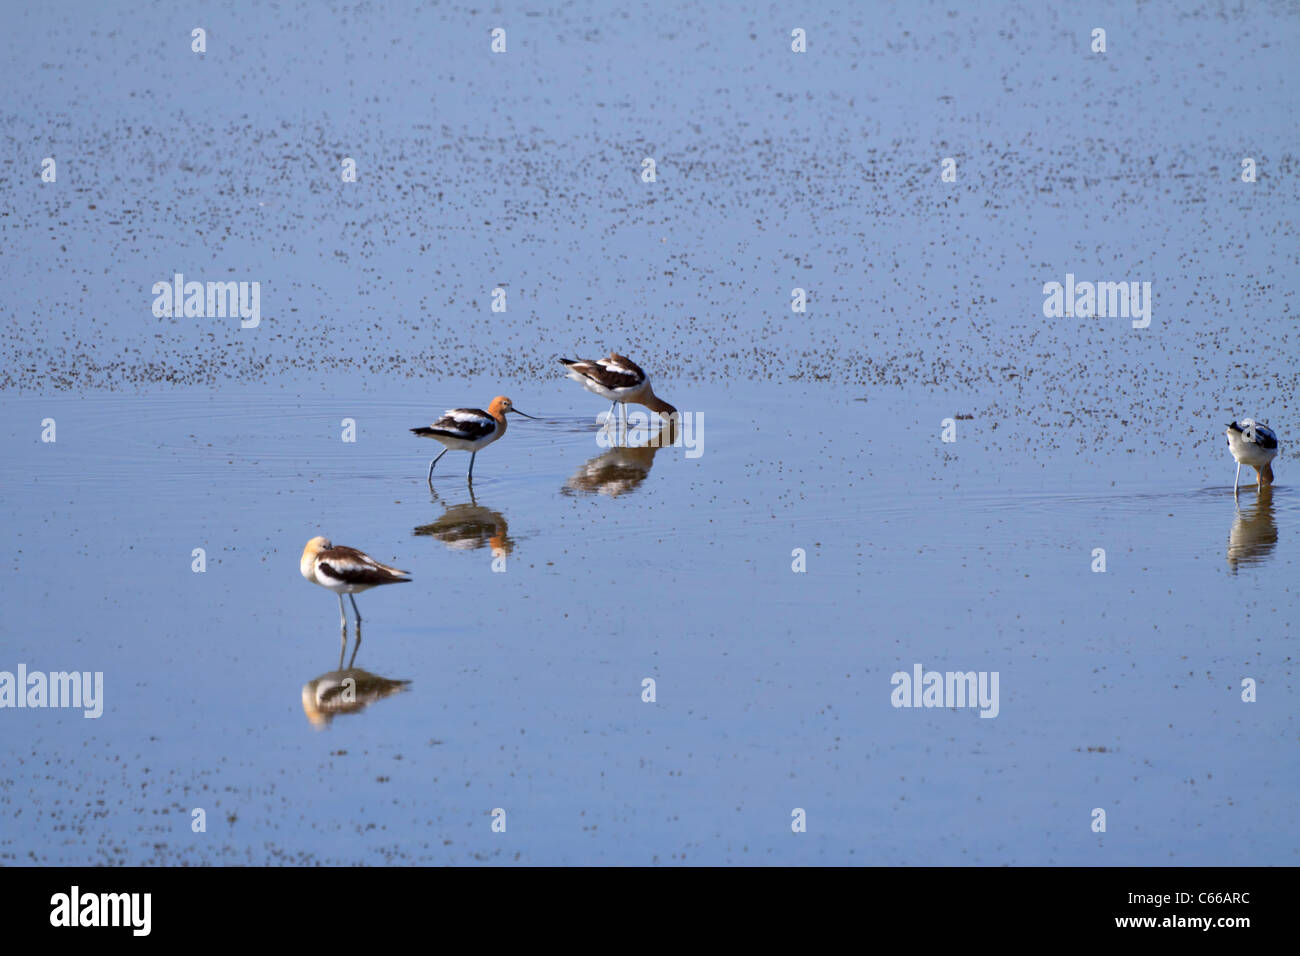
[
  {"x": 346, "y": 571},
  {"x": 618, "y": 380},
  {"x": 468, "y": 429},
  {"x": 1255, "y": 444}
]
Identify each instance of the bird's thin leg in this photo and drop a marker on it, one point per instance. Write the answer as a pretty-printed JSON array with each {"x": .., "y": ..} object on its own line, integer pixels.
[
  {"x": 355, "y": 647},
  {"x": 434, "y": 462},
  {"x": 343, "y": 632},
  {"x": 470, "y": 476},
  {"x": 354, "y": 608},
  {"x": 609, "y": 419},
  {"x": 1236, "y": 480}
]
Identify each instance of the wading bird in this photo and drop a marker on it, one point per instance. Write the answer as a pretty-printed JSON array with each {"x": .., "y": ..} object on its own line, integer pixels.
[
  {"x": 619, "y": 380},
  {"x": 346, "y": 571},
  {"x": 1253, "y": 444},
  {"x": 468, "y": 429}
]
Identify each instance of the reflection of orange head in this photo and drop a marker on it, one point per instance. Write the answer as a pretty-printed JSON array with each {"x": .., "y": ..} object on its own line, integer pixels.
[
  {"x": 498, "y": 541},
  {"x": 315, "y": 715}
]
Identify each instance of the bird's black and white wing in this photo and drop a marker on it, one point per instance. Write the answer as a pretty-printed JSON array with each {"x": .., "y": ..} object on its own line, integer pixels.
[
  {"x": 466, "y": 424},
  {"x": 1255, "y": 433},
  {"x": 613, "y": 373},
  {"x": 349, "y": 566}
]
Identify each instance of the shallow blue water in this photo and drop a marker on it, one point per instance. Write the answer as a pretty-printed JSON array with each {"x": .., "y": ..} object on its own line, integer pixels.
[{"x": 772, "y": 687}]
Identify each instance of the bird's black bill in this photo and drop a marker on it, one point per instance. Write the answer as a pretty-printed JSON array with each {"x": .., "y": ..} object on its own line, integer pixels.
[{"x": 525, "y": 414}]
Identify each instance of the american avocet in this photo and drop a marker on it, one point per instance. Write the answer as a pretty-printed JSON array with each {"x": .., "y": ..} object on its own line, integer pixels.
[
  {"x": 619, "y": 380},
  {"x": 346, "y": 571},
  {"x": 1253, "y": 444},
  {"x": 469, "y": 429}
]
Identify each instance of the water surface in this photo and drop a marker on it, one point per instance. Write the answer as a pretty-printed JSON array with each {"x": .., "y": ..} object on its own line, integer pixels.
[{"x": 822, "y": 431}]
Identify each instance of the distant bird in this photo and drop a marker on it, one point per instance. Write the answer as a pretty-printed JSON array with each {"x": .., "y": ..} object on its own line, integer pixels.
[
  {"x": 469, "y": 429},
  {"x": 619, "y": 380},
  {"x": 1253, "y": 444},
  {"x": 346, "y": 571}
]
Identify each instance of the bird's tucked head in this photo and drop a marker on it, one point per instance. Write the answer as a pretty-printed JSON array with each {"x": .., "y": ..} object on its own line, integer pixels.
[{"x": 308, "y": 563}]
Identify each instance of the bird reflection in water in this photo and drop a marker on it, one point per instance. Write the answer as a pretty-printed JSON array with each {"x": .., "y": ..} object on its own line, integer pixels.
[
  {"x": 621, "y": 469},
  {"x": 347, "y": 690},
  {"x": 469, "y": 526},
  {"x": 1254, "y": 532}
]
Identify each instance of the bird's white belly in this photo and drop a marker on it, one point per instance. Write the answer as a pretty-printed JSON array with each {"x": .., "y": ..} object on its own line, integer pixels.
[
  {"x": 466, "y": 444},
  {"x": 632, "y": 394},
  {"x": 1249, "y": 453},
  {"x": 340, "y": 587}
]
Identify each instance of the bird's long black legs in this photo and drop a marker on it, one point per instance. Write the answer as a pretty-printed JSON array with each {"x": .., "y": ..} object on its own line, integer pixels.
[{"x": 434, "y": 462}]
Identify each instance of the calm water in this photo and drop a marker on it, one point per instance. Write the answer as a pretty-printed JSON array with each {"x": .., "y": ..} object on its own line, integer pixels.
[{"x": 821, "y": 431}]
